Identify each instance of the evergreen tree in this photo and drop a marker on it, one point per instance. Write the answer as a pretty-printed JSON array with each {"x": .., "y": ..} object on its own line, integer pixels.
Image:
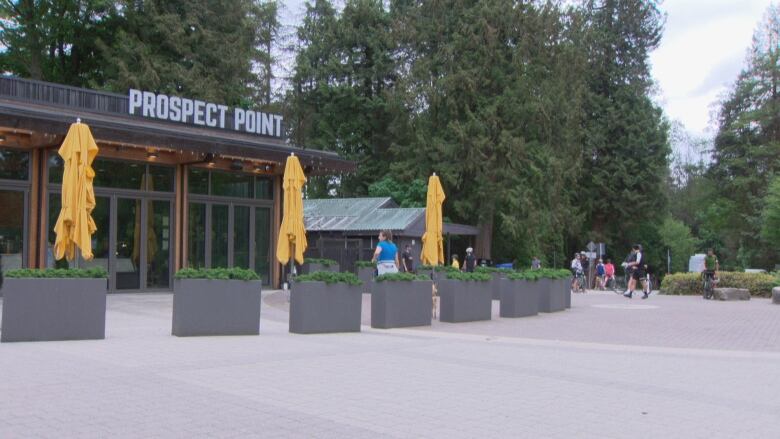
[
  {"x": 56, "y": 41},
  {"x": 197, "y": 48},
  {"x": 626, "y": 147},
  {"x": 747, "y": 150}
]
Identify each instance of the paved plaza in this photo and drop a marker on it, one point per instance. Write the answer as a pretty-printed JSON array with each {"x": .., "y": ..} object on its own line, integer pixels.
[{"x": 674, "y": 367}]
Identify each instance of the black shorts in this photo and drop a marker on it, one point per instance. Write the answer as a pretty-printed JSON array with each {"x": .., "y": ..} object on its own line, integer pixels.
[{"x": 638, "y": 274}]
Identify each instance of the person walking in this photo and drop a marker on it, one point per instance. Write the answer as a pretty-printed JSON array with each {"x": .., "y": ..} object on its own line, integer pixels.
[
  {"x": 576, "y": 271},
  {"x": 470, "y": 261},
  {"x": 609, "y": 272},
  {"x": 536, "y": 263},
  {"x": 600, "y": 274},
  {"x": 635, "y": 265},
  {"x": 406, "y": 259},
  {"x": 386, "y": 254},
  {"x": 585, "y": 262}
]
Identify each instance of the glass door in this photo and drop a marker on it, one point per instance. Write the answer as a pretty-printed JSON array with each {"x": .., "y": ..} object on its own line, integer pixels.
[
  {"x": 128, "y": 249},
  {"x": 12, "y": 229},
  {"x": 158, "y": 244}
]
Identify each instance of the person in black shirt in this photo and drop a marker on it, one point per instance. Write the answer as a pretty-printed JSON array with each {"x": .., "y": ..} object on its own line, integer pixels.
[
  {"x": 406, "y": 259},
  {"x": 470, "y": 261},
  {"x": 635, "y": 265}
]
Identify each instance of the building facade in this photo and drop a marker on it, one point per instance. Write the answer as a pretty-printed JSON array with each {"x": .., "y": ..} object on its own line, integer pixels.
[{"x": 201, "y": 188}]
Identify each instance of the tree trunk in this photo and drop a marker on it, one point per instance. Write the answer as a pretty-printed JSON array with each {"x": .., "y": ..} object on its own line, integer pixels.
[{"x": 484, "y": 242}]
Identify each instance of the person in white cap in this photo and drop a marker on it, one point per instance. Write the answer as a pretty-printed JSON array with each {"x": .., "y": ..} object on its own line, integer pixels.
[{"x": 469, "y": 262}]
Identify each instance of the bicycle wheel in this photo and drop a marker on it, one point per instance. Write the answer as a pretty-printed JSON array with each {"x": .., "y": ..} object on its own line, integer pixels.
[{"x": 707, "y": 288}]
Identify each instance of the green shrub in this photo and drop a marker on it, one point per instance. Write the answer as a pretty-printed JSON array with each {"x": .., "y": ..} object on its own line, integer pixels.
[
  {"x": 329, "y": 277},
  {"x": 323, "y": 262},
  {"x": 58, "y": 273},
  {"x": 526, "y": 275},
  {"x": 759, "y": 284},
  {"x": 217, "y": 273},
  {"x": 438, "y": 268},
  {"x": 396, "y": 277},
  {"x": 365, "y": 264},
  {"x": 459, "y": 275},
  {"x": 480, "y": 269}
]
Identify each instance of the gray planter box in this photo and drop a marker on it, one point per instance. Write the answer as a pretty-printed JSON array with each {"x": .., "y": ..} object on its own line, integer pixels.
[
  {"x": 367, "y": 276},
  {"x": 307, "y": 268},
  {"x": 316, "y": 307},
  {"x": 54, "y": 309},
  {"x": 551, "y": 298},
  {"x": 519, "y": 298},
  {"x": 464, "y": 301},
  {"x": 216, "y": 307},
  {"x": 400, "y": 304}
]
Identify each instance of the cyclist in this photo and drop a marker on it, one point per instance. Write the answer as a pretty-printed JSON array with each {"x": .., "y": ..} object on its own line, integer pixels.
[
  {"x": 576, "y": 271},
  {"x": 635, "y": 265},
  {"x": 711, "y": 267}
]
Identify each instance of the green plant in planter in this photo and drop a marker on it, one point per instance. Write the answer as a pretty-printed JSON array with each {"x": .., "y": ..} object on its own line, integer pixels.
[
  {"x": 329, "y": 277},
  {"x": 458, "y": 275},
  {"x": 321, "y": 261},
  {"x": 401, "y": 277},
  {"x": 217, "y": 273},
  {"x": 365, "y": 264},
  {"x": 531, "y": 275},
  {"x": 58, "y": 273},
  {"x": 480, "y": 269},
  {"x": 438, "y": 268}
]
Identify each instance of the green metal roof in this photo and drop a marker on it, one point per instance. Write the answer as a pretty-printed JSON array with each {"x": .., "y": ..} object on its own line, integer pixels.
[{"x": 358, "y": 215}]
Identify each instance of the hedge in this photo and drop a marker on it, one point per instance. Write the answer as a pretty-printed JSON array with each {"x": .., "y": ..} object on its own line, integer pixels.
[
  {"x": 759, "y": 284},
  {"x": 322, "y": 261},
  {"x": 234, "y": 273},
  {"x": 401, "y": 277},
  {"x": 58, "y": 273},
  {"x": 329, "y": 277}
]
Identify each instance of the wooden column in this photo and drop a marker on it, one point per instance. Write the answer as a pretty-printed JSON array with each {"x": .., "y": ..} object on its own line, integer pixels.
[{"x": 276, "y": 267}]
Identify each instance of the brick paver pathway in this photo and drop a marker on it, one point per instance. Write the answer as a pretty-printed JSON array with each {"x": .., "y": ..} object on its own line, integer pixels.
[{"x": 665, "y": 367}]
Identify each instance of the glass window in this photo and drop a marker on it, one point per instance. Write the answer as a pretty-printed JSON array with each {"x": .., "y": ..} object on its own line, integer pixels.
[
  {"x": 196, "y": 236},
  {"x": 56, "y": 167},
  {"x": 119, "y": 174},
  {"x": 11, "y": 229},
  {"x": 198, "y": 181},
  {"x": 231, "y": 184},
  {"x": 55, "y": 205},
  {"x": 100, "y": 248},
  {"x": 158, "y": 244},
  {"x": 263, "y": 242},
  {"x": 160, "y": 178},
  {"x": 241, "y": 236},
  {"x": 14, "y": 164},
  {"x": 219, "y": 235},
  {"x": 263, "y": 188}
]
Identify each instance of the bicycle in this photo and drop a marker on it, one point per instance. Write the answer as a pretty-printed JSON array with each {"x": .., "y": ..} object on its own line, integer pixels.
[
  {"x": 580, "y": 279},
  {"x": 708, "y": 284}
]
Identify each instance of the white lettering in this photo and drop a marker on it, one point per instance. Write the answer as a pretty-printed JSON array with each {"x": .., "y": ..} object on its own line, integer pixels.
[
  {"x": 210, "y": 121},
  {"x": 135, "y": 100},
  {"x": 222, "y": 110},
  {"x": 239, "y": 116},
  {"x": 199, "y": 112},
  {"x": 278, "y": 125},
  {"x": 251, "y": 118},
  {"x": 162, "y": 107},
  {"x": 268, "y": 125},
  {"x": 186, "y": 112},
  {"x": 148, "y": 109},
  {"x": 175, "y": 113}
]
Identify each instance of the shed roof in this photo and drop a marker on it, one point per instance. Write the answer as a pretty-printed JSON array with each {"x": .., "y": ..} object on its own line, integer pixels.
[{"x": 369, "y": 215}]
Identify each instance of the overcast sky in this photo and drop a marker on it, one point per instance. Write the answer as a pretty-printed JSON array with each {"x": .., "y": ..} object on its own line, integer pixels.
[{"x": 702, "y": 51}]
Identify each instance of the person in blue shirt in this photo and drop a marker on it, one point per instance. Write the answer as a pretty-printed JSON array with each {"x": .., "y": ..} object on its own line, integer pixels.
[{"x": 386, "y": 254}]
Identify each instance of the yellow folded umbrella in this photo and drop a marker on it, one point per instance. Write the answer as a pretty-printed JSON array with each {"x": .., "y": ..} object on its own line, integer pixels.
[
  {"x": 292, "y": 232},
  {"x": 75, "y": 226},
  {"x": 432, "y": 240}
]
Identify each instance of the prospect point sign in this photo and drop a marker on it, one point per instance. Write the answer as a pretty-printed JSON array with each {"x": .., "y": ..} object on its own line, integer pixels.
[{"x": 202, "y": 113}]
